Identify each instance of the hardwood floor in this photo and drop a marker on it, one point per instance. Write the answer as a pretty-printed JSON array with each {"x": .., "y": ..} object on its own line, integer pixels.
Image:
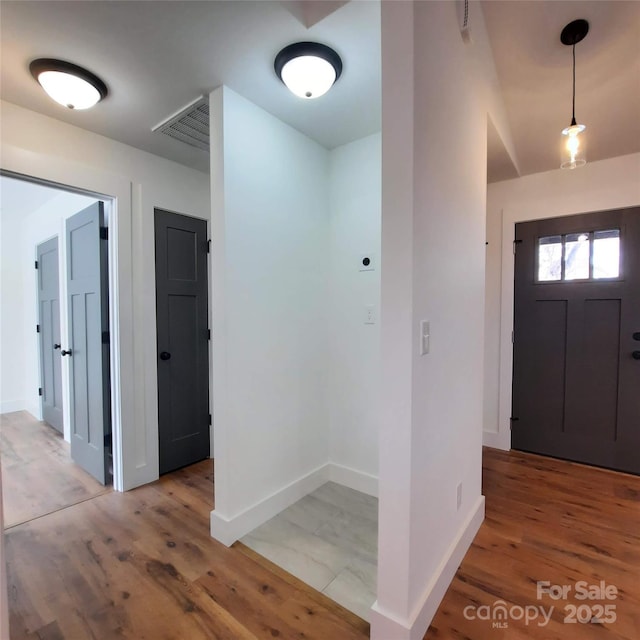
[
  {"x": 141, "y": 565},
  {"x": 39, "y": 476},
  {"x": 548, "y": 520}
]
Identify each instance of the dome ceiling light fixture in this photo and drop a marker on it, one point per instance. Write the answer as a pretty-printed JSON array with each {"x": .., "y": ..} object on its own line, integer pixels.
[
  {"x": 308, "y": 69},
  {"x": 573, "y": 139},
  {"x": 68, "y": 84}
]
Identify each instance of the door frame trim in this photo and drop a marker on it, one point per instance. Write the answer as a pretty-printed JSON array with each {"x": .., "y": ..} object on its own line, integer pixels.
[{"x": 116, "y": 193}]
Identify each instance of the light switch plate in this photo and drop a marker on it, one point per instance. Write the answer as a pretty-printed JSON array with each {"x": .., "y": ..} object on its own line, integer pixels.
[
  {"x": 425, "y": 336},
  {"x": 370, "y": 314}
]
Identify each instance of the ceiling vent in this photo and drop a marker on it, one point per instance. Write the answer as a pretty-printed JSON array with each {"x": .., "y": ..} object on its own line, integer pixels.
[{"x": 189, "y": 125}]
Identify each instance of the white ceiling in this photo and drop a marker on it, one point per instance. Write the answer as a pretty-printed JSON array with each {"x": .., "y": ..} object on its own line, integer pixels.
[
  {"x": 158, "y": 56},
  {"x": 534, "y": 69}
]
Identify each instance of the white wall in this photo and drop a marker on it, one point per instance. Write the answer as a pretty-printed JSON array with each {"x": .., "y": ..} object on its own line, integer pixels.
[
  {"x": 354, "y": 364},
  {"x": 270, "y": 338},
  {"x": 607, "y": 184},
  {"x": 12, "y": 329},
  {"x": 434, "y": 136},
  {"x": 33, "y": 144}
]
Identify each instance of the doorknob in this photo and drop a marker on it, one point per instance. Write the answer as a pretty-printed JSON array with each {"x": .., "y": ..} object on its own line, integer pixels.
[
  {"x": 65, "y": 353},
  {"x": 56, "y": 346},
  {"x": 636, "y": 336},
  {"x": 165, "y": 355},
  {"x": 636, "y": 355}
]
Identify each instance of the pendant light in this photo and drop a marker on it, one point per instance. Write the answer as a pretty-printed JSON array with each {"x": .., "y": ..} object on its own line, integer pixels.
[
  {"x": 68, "y": 84},
  {"x": 308, "y": 69},
  {"x": 573, "y": 138}
]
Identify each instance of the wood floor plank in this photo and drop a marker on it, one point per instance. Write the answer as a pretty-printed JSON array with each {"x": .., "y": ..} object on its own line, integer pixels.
[
  {"x": 355, "y": 621},
  {"x": 142, "y": 565},
  {"x": 38, "y": 475},
  {"x": 548, "y": 520},
  {"x": 136, "y": 565}
]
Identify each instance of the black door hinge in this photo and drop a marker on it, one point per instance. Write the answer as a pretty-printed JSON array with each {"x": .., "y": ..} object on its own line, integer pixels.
[
  {"x": 104, "y": 233},
  {"x": 209, "y": 419},
  {"x": 105, "y": 337},
  {"x": 37, "y": 328},
  {"x": 108, "y": 440},
  {"x": 208, "y": 246},
  {"x": 516, "y": 242},
  {"x": 36, "y": 264},
  {"x": 39, "y": 391},
  {"x": 208, "y": 334}
]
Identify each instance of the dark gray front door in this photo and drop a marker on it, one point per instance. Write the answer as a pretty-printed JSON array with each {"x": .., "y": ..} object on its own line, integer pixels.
[
  {"x": 88, "y": 348},
  {"x": 49, "y": 329},
  {"x": 183, "y": 351},
  {"x": 576, "y": 372}
]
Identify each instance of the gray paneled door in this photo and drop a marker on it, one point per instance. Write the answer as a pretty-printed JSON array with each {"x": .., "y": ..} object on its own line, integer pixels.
[
  {"x": 49, "y": 330},
  {"x": 183, "y": 350},
  {"x": 88, "y": 349},
  {"x": 576, "y": 371}
]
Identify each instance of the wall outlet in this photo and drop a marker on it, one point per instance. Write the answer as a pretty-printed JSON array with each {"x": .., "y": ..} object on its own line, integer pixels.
[
  {"x": 459, "y": 496},
  {"x": 370, "y": 314}
]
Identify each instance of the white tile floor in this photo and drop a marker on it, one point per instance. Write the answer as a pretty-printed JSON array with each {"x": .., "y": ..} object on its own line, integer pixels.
[{"x": 329, "y": 540}]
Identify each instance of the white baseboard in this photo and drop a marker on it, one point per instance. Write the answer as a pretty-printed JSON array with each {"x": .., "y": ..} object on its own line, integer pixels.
[
  {"x": 13, "y": 405},
  {"x": 35, "y": 409},
  {"x": 497, "y": 440},
  {"x": 229, "y": 530},
  {"x": 385, "y": 626},
  {"x": 357, "y": 480}
]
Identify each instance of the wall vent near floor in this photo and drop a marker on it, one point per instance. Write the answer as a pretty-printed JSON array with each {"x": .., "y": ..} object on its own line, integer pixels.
[{"x": 189, "y": 125}]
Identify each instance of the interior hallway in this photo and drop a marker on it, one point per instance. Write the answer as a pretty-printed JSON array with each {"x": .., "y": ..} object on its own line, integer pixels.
[
  {"x": 38, "y": 474},
  {"x": 142, "y": 564}
]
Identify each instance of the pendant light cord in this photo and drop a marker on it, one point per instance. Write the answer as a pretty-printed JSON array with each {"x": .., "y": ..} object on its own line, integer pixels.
[{"x": 573, "y": 104}]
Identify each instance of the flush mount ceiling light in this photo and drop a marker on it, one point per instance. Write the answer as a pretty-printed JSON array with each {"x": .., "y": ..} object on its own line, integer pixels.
[
  {"x": 573, "y": 138},
  {"x": 68, "y": 84},
  {"x": 309, "y": 69}
]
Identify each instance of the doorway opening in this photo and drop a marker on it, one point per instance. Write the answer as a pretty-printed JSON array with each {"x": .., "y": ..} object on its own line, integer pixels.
[{"x": 49, "y": 380}]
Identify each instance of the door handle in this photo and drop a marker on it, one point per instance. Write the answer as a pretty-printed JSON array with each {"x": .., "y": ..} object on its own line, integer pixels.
[
  {"x": 635, "y": 355},
  {"x": 165, "y": 355},
  {"x": 65, "y": 353},
  {"x": 636, "y": 336},
  {"x": 56, "y": 346}
]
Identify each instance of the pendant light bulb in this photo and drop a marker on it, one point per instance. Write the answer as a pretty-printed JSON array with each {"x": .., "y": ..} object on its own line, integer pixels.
[{"x": 574, "y": 147}]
